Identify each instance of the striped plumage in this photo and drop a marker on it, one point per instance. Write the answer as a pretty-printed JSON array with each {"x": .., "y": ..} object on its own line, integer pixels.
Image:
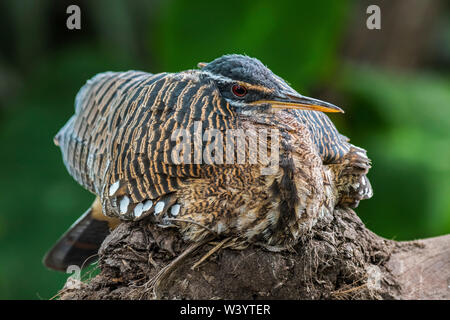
[
  {"x": 122, "y": 129},
  {"x": 119, "y": 146}
]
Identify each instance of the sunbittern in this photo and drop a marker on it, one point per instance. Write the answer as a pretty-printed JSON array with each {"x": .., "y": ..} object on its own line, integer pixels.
[{"x": 120, "y": 145}]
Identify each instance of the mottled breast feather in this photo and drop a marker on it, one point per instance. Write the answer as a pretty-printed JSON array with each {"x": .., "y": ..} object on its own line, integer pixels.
[
  {"x": 330, "y": 144},
  {"x": 122, "y": 130}
]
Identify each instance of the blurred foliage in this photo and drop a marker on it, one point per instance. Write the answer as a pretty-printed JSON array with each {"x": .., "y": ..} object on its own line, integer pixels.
[{"x": 401, "y": 119}]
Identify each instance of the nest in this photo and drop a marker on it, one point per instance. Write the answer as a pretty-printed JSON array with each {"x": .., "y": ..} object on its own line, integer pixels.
[{"x": 339, "y": 260}]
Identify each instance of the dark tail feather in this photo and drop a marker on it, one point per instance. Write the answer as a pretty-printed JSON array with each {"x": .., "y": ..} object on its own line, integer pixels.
[{"x": 80, "y": 244}]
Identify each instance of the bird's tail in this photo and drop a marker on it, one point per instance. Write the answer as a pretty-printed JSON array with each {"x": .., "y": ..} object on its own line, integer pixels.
[{"x": 80, "y": 244}]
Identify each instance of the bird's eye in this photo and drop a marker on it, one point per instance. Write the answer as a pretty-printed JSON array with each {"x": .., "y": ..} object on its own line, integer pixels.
[{"x": 239, "y": 91}]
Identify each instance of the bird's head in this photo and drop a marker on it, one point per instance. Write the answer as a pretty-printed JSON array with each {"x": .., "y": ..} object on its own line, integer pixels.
[{"x": 249, "y": 86}]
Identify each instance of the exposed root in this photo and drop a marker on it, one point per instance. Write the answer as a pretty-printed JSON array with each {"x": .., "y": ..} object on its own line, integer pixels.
[
  {"x": 210, "y": 252},
  {"x": 155, "y": 282}
]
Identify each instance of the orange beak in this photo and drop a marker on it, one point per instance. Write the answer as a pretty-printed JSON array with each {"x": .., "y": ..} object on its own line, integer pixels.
[{"x": 297, "y": 101}]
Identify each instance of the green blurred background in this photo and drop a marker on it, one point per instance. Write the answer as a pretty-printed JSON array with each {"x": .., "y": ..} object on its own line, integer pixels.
[{"x": 393, "y": 84}]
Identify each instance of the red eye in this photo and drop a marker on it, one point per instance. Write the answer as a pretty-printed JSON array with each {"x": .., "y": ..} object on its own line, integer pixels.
[{"x": 239, "y": 90}]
